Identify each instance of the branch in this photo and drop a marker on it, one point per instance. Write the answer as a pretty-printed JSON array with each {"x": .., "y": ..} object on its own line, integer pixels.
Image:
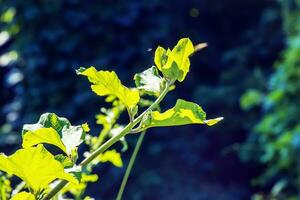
[{"x": 127, "y": 129}]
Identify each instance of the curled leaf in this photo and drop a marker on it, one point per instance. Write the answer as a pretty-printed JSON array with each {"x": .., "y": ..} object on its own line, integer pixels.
[
  {"x": 149, "y": 81},
  {"x": 175, "y": 63}
]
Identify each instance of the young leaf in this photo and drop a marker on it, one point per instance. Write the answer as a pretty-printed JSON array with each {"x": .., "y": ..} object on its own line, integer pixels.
[
  {"x": 23, "y": 196},
  {"x": 36, "y": 166},
  {"x": 85, "y": 127},
  {"x": 70, "y": 136},
  {"x": 184, "y": 112},
  {"x": 149, "y": 81},
  {"x": 175, "y": 64},
  {"x": 107, "y": 83},
  {"x": 77, "y": 189},
  {"x": 43, "y": 135}
]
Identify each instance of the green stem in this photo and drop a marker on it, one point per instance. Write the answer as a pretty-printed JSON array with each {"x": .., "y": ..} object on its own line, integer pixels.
[
  {"x": 110, "y": 142},
  {"x": 130, "y": 165}
]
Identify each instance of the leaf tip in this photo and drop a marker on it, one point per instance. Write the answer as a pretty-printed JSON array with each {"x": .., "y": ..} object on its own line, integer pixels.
[
  {"x": 200, "y": 46},
  {"x": 211, "y": 122},
  {"x": 80, "y": 70}
]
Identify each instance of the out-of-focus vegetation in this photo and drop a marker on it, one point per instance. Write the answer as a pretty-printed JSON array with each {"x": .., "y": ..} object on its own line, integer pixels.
[{"x": 275, "y": 141}]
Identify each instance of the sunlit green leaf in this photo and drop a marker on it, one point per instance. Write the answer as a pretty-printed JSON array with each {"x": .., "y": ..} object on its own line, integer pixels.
[
  {"x": 23, "y": 196},
  {"x": 149, "y": 81},
  {"x": 160, "y": 58},
  {"x": 48, "y": 120},
  {"x": 85, "y": 127},
  {"x": 107, "y": 83},
  {"x": 175, "y": 63},
  {"x": 111, "y": 156},
  {"x": 54, "y": 130},
  {"x": 182, "y": 113},
  {"x": 36, "y": 166},
  {"x": 43, "y": 135},
  {"x": 64, "y": 160}
]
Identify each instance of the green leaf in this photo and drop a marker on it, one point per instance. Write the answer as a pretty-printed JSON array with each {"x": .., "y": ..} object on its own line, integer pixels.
[
  {"x": 64, "y": 160},
  {"x": 149, "y": 81},
  {"x": 184, "y": 112},
  {"x": 23, "y": 196},
  {"x": 48, "y": 120},
  {"x": 251, "y": 99},
  {"x": 36, "y": 166},
  {"x": 86, "y": 127},
  {"x": 53, "y": 130},
  {"x": 107, "y": 83},
  {"x": 111, "y": 156},
  {"x": 175, "y": 64},
  {"x": 43, "y": 135}
]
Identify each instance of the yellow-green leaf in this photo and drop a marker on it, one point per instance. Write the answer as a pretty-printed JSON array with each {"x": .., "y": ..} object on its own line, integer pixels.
[
  {"x": 107, "y": 83},
  {"x": 23, "y": 196},
  {"x": 70, "y": 136},
  {"x": 64, "y": 160},
  {"x": 184, "y": 112},
  {"x": 43, "y": 135},
  {"x": 111, "y": 156},
  {"x": 36, "y": 166},
  {"x": 160, "y": 58},
  {"x": 85, "y": 127},
  {"x": 175, "y": 63}
]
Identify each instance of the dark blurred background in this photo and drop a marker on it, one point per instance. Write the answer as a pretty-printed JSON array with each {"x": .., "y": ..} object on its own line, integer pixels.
[{"x": 249, "y": 74}]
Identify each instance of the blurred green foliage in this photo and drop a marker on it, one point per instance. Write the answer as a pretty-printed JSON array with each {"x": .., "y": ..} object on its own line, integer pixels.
[{"x": 276, "y": 135}]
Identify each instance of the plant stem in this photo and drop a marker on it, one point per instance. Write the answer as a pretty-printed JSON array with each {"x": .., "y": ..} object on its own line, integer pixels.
[
  {"x": 111, "y": 141},
  {"x": 130, "y": 165}
]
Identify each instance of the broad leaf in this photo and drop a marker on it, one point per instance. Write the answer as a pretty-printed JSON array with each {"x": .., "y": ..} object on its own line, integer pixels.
[
  {"x": 23, "y": 196},
  {"x": 36, "y": 166},
  {"x": 184, "y": 112},
  {"x": 53, "y": 130},
  {"x": 43, "y": 135},
  {"x": 149, "y": 81},
  {"x": 107, "y": 83},
  {"x": 175, "y": 63}
]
